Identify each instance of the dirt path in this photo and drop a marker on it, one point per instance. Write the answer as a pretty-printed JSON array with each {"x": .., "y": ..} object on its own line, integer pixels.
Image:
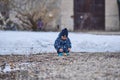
[{"x": 77, "y": 66}]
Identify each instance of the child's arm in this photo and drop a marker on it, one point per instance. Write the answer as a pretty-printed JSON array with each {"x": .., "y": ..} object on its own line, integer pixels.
[{"x": 57, "y": 44}]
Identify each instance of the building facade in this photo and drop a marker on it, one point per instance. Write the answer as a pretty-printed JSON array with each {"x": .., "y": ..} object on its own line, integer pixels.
[
  {"x": 90, "y": 15},
  {"x": 75, "y": 15}
]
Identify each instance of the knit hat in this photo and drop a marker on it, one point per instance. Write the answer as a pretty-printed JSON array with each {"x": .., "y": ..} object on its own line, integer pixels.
[{"x": 64, "y": 32}]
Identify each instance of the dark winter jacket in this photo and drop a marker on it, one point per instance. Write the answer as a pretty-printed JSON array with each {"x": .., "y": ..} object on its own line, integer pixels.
[{"x": 62, "y": 44}]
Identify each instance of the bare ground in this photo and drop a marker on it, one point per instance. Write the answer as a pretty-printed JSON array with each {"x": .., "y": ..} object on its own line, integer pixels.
[{"x": 77, "y": 66}]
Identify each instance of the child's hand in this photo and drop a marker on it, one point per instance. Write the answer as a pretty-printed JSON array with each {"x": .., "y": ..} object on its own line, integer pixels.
[
  {"x": 60, "y": 50},
  {"x": 69, "y": 49}
]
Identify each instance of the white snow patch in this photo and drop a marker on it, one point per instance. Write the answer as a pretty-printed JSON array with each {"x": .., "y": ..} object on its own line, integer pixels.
[{"x": 43, "y": 42}]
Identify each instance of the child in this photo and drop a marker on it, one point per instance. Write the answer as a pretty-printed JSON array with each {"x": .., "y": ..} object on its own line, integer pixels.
[
  {"x": 40, "y": 24},
  {"x": 62, "y": 43}
]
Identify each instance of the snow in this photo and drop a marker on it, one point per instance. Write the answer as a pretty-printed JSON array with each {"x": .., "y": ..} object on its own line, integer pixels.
[
  {"x": 17, "y": 42},
  {"x": 7, "y": 68}
]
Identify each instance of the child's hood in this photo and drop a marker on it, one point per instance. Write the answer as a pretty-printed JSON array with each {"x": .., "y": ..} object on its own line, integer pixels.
[{"x": 63, "y": 32}]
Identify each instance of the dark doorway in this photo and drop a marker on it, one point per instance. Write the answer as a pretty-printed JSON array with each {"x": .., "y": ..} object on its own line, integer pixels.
[{"x": 89, "y": 14}]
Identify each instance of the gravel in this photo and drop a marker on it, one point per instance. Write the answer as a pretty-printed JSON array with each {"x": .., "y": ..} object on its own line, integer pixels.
[{"x": 77, "y": 66}]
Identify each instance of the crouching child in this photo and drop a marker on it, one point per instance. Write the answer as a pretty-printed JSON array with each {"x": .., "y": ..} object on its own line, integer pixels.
[{"x": 62, "y": 43}]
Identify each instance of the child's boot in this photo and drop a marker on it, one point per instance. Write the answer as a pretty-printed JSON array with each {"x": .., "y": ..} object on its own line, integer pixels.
[
  {"x": 67, "y": 54},
  {"x": 60, "y": 54}
]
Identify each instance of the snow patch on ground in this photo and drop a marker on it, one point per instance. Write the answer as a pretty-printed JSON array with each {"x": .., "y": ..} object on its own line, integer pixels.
[{"x": 43, "y": 42}]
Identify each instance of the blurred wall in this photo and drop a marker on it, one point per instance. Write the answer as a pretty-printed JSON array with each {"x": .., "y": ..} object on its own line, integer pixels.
[
  {"x": 67, "y": 12},
  {"x": 111, "y": 15}
]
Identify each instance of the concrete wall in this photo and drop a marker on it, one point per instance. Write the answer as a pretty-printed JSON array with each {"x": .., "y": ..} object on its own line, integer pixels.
[
  {"x": 111, "y": 15},
  {"x": 66, "y": 13}
]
